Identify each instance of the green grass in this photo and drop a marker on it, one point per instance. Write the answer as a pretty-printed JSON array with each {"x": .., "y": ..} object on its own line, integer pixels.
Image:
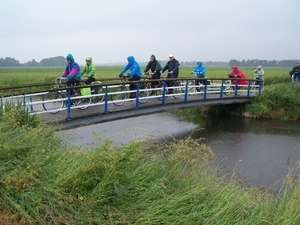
[
  {"x": 45, "y": 181},
  {"x": 19, "y": 76}
]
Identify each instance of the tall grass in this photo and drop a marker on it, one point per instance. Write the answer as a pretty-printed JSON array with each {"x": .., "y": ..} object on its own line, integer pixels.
[{"x": 45, "y": 181}]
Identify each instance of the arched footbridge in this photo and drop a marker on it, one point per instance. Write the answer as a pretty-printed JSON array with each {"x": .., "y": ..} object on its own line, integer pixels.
[{"x": 108, "y": 101}]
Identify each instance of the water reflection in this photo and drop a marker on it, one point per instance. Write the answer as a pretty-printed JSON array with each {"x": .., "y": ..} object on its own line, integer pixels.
[{"x": 260, "y": 150}]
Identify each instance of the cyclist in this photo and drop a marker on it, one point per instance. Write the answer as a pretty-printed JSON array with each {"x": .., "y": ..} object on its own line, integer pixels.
[
  {"x": 72, "y": 72},
  {"x": 237, "y": 73},
  {"x": 89, "y": 70},
  {"x": 259, "y": 74},
  {"x": 295, "y": 73},
  {"x": 173, "y": 71},
  {"x": 155, "y": 68},
  {"x": 135, "y": 73},
  {"x": 200, "y": 73}
]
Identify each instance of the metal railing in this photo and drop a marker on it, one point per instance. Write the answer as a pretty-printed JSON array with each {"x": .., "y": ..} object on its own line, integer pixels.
[{"x": 35, "y": 101}]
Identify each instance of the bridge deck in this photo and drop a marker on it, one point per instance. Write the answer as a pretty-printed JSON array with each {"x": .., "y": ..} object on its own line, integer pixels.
[{"x": 95, "y": 112}]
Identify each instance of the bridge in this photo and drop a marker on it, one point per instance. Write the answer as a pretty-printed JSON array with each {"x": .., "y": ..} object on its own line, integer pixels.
[{"x": 111, "y": 100}]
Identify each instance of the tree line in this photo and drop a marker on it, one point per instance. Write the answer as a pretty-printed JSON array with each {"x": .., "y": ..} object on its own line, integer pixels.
[
  {"x": 53, "y": 61},
  {"x": 61, "y": 61},
  {"x": 263, "y": 63}
]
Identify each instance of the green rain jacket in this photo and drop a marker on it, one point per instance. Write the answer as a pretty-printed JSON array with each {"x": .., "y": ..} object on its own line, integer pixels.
[{"x": 89, "y": 70}]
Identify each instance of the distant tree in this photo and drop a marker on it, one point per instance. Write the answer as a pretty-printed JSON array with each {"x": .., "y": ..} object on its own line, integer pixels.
[
  {"x": 9, "y": 62},
  {"x": 53, "y": 61},
  {"x": 233, "y": 62},
  {"x": 31, "y": 63}
]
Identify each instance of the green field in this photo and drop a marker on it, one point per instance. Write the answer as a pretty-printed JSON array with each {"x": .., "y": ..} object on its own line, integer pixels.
[{"x": 19, "y": 76}]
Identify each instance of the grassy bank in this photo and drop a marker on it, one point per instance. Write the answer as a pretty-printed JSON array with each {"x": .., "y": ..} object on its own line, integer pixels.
[{"x": 44, "y": 181}]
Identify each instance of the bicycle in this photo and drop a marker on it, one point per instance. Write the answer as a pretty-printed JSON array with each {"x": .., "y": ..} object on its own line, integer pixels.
[
  {"x": 55, "y": 100},
  {"x": 121, "y": 92},
  {"x": 95, "y": 90},
  {"x": 229, "y": 86},
  {"x": 194, "y": 87},
  {"x": 177, "y": 88},
  {"x": 255, "y": 85}
]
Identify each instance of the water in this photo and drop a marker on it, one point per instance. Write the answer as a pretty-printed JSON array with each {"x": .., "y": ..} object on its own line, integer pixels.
[{"x": 261, "y": 151}]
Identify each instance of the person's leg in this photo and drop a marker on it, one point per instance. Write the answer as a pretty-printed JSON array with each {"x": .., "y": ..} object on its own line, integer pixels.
[
  {"x": 170, "y": 84},
  {"x": 132, "y": 86},
  {"x": 155, "y": 83},
  {"x": 296, "y": 77},
  {"x": 197, "y": 82},
  {"x": 72, "y": 82},
  {"x": 89, "y": 80}
]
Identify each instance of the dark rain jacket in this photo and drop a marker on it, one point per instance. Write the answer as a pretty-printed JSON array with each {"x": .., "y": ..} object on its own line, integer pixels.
[
  {"x": 172, "y": 66},
  {"x": 155, "y": 68}
]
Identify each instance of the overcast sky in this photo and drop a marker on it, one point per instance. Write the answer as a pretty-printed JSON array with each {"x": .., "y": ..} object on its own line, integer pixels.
[{"x": 111, "y": 30}]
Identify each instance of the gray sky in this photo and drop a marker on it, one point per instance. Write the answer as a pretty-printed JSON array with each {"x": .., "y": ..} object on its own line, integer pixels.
[{"x": 111, "y": 30}]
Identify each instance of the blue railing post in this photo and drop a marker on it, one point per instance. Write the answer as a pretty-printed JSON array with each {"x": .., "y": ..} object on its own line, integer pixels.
[
  {"x": 69, "y": 104},
  {"x": 236, "y": 88},
  {"x": 221, "y": 91},
  {"x": 186, "y": 90},
  {"x": 106, "y": 100},
  {"x": 30, "y": 99},
  {"x": 248, "y": 91},
  {"x": 205, "y": 90},
  {"x": 137, "y": 96},
  {"x": 163, "y": 100},
  {"x": 24, "y": 100}
]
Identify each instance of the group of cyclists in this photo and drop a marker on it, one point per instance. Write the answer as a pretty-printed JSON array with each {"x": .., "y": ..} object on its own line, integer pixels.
[{"x": 73, "y": 73}]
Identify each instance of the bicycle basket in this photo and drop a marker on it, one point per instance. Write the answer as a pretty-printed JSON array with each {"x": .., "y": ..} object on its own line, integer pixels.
[{"x": 85, "y": 91}]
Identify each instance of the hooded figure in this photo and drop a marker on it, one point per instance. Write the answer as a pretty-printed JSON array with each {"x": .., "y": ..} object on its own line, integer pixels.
[
  {"x": 133, "y": 66},
  {"x": 237, "y": 73},
  {"x": 72, "y": 71},
  {"x": 89, "y": 70},
  {"x": 199, "y": 70},
  {"x": 135, "y": 73},
  {"x": 154, "y": 66},
  {"x": 259, "y": 72}
]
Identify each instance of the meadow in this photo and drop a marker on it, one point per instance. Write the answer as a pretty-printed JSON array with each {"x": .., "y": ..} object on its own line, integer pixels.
[{"x": 33, "y": 75}]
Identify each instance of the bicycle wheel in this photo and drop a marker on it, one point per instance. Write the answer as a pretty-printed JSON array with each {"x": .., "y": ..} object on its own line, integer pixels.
[
  {"x": 144, "y": 93},
  {"x": 98, "y": 90},
  {"x": 227, "y": 88},
  {"x": 118, "y": 96},
  {"x": 191, "y": 87},
  {"x": 58, "y": 103},
  {"x": 200, "y": 89},
  {"x": 177, "y": 90},
  {"x": 100, "y": 98},
  {"x": 159, "y": 92},
  {"x": 83, "y": 102},
  {"x": 253, "y": 88}
]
